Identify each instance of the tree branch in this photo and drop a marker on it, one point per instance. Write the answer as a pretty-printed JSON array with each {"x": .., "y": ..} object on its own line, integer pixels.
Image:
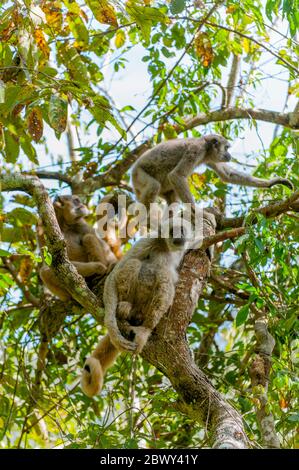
[
  {"x": 259, "y": 370},
  {"x": 232, "y": 80},
  {"x": 271, "y": 210},
  {"x": 50, "y": 175},
  {"x": 284, "y": 119}
]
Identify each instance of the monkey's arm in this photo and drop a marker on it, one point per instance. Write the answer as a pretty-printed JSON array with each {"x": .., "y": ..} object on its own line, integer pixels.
[
  {"x": 110, "y": 301},
  {"x": 230, "y": 175}
]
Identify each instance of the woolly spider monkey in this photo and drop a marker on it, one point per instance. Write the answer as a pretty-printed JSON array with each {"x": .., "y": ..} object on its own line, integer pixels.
[
  {"x": 137, "y": 293},
  {"x": 88, "y": 253},
  {"x": 164, "y": 169}
]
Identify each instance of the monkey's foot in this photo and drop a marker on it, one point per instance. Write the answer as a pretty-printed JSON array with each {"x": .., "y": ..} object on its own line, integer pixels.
[
  {"x": 122, "y": 344},
  {"x": 141, "y": 336},
  {"x": 283, "y": 181},
  {"x": 92, "y": 377}
]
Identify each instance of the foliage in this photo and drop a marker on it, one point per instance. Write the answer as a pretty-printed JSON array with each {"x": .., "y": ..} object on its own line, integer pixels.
[{"x": 52, "y": 78}]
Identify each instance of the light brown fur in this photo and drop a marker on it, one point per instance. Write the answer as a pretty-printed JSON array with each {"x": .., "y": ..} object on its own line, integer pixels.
[
  {"x": 89, "y": 254},
  {"x": 164, "y": 169},
  {"x": 137, "y": 293}
]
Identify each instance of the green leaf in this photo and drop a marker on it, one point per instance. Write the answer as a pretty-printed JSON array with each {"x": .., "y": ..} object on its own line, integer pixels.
[
  {"x": 259, "y": 244},
  {"x": 239, "y": 242},
  {"x": 12, "y": 147},
  {"x": 28, "y": 149},
  {"x": 47, "y": 255},
  {"x": 4, "y": 253},
  {"x": 57, "y": 113},
  {"x": 23, "y": 215},
  {"x": 166, "y": 52},
  {"x": 177, "y": 6},
  {"x": 294, "y": 418},
  {"x": 145, "y": 17},
  {"x": 242, "y": 315}
]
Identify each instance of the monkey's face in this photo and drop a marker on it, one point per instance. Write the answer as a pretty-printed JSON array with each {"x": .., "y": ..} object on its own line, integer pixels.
[
  {"x": 70, "y": 208},
  {"x": 217, "y": 149},
  {"x": 178, "y": 236}
]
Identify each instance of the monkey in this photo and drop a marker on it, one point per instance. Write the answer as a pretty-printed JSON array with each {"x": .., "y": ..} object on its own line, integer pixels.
[
  {"x": 137, "y": 293},
  {"x": 89, "y": 254},
  {"x": 164, "y": 169}
]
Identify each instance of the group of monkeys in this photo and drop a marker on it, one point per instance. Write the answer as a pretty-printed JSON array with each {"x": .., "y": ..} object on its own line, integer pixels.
[{"x": 140, "y": 286}]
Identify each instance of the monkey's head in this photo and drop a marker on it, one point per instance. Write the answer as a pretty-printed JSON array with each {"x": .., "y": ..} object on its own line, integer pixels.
[
  {"x": 69, "y": 209},
  {"x": 176, "y": 233},
  {"x": 217, "y": 148}
]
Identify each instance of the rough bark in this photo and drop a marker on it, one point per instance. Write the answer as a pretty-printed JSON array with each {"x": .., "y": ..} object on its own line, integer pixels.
[
  {"x": 232, "y": 80},
  {"x": 259, "y": 373},
  {"x": 289, "y": 120}
]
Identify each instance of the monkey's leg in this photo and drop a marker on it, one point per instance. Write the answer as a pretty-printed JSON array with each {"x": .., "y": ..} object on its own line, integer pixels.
[
  {"x": 146, "y": 187},
  {"x": 96, "y": 366},
  {"x": 88, "y": 269},
  {"x": 171, "y": 197},
  {"x": 124, "y": 310},
  {"x": 178, "y": 176},
  {"x": 97, "y": 250},
  {"x": 111, "y": 301},
  {"x": 50, "y": 280}
]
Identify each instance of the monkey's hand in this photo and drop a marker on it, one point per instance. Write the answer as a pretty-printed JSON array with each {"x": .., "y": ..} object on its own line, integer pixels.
[
  {"x": 283, "y": 181},
  {"x": 141, "y": 336}
]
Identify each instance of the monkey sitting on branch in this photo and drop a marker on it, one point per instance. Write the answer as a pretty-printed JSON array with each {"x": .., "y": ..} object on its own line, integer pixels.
[
  {"x": 137, "y": 293},
  {"x": 89, "y": 254},
  {"x": 164, "y": 169}
]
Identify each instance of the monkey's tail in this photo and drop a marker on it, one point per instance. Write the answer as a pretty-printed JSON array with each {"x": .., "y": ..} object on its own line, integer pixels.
[{"x": 96, "y": 365}]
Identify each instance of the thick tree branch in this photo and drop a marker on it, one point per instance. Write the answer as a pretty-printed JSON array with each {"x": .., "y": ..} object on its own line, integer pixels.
[
  {"x": 290, "y": 120},
  {"x": 232, "y": 80},
  {"x": 51, "y": 175},
  {"x": 63, "y": 268}
]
